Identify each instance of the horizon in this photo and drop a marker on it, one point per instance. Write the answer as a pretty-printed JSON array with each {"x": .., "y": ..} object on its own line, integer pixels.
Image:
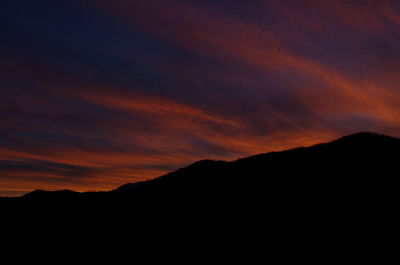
[
  {"x": 16, "y": 193},
  {"x": 96, "y": 94},
  {"x": 19, "y": 193}
]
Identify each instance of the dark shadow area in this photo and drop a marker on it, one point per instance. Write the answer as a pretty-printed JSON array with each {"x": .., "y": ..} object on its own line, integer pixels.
[{"x": 343, "y": 194}]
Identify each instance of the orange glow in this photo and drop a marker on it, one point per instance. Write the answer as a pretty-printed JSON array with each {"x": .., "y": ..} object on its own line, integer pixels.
[{"x": 190, "y": 80}]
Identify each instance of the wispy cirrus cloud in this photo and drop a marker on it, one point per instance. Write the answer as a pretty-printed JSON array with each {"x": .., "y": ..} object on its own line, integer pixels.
[{"x": 129, "y": 90}]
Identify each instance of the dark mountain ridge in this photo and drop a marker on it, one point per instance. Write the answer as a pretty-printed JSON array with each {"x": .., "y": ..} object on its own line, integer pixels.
[
  {"x": 358, "y": 141},
  {"x": 337, "y": 189}
]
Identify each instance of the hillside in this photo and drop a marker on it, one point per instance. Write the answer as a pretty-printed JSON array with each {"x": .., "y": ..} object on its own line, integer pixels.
[{"x": 340, "y": 188}]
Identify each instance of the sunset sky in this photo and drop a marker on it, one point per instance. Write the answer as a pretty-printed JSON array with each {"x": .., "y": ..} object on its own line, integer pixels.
[{"x": 98, "y": 93}]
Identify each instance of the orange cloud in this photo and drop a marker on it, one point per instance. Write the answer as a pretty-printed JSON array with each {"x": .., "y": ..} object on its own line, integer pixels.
[
  {"x": 269, "y": 85},
  {"x": 214, "y": 34}
]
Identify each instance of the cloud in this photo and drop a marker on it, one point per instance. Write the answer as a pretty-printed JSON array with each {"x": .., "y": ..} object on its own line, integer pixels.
[{"x": 143, "y": 87}]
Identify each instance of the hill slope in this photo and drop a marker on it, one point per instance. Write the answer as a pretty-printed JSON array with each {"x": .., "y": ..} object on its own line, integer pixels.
[{"x": 346, "y": 186}]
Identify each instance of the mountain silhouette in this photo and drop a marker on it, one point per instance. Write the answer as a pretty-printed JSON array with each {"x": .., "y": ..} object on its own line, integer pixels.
[{"x": 345, "y": 190}]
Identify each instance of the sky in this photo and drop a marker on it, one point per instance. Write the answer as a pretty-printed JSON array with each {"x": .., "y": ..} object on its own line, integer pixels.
[{"x": 99, "y": 93}]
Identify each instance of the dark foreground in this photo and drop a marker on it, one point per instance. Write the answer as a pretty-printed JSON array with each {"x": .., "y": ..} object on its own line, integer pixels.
[{"x": 339, "y": 196}]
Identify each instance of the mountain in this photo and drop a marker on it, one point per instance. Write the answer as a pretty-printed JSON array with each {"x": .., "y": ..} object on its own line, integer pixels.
[
  {"x": 128, "y": 187},
  {"x": 345, "y": 189}
]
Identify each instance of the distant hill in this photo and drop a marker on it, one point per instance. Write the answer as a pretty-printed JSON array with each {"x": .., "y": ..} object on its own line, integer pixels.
[{"x": 345, "y": 189}]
